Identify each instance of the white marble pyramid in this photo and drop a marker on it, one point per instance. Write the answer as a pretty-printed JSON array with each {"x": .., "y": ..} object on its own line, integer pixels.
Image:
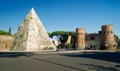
[{"x": 32, "y": 35}]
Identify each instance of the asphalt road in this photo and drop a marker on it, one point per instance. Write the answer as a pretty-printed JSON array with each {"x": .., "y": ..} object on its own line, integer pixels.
[{"x": 77, "y": 61}]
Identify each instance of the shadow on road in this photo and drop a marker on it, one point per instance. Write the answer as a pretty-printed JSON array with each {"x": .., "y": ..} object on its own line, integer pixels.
[
  {"x": 43, "y": 60},
  {"x": 14, "y": 54},
  {"x": 106, "y": 56},
  {"x": 100, "y": 67}
]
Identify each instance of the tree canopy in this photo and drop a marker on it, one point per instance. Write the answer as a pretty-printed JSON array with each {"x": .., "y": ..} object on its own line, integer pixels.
[
  {"x": 63, "y": 36},
  {"x": 116, "y": 37},
  {"x": 2, "y": 32},
  {"x": 58, "y": 33}
]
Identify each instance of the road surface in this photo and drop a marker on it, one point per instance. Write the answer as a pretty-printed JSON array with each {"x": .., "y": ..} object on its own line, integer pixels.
[{"x": 77, "y": 61}]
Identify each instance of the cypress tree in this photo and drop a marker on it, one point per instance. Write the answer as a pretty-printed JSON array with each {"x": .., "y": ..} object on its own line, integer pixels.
[{"x": 9, "y": 31}]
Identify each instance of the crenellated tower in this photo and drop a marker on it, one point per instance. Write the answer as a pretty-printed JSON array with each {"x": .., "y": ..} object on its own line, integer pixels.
[
  {"x": 80, "y": 38},
  {"x": 107, "y": 37}
]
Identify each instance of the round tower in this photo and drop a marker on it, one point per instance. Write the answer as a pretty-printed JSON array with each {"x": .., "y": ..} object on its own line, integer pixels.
[
  {"x": 107, "y": 38},
  {"x": 80, "y": 38}
]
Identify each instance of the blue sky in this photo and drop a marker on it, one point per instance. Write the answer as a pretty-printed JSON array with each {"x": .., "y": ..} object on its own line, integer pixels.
[{"x": 63, "y": 15}]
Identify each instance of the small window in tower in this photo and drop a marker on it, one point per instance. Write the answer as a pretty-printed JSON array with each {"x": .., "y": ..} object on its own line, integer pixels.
[
  {"x": 111, "y": 32},
  {"x": 104, "y": 31},
  {"x": 78, "y": 33},
  {"x": 114, "y": 45},
  {"x": 108, "y": 31},
  {"x": 81, "y": 33}
]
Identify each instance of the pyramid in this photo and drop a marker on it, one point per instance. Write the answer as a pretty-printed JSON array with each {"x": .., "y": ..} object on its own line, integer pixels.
[{"x": 32, "y": 36}]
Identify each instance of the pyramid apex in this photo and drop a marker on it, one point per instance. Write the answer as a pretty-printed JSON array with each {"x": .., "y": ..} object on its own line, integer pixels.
[
  {"x": 32, "y": 13},
  {"x": 32, "y": 9}
]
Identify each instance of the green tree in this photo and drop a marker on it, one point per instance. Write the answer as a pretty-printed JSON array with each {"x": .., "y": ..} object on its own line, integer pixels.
[
  {"x": 119, "y": 42},
  {"x": 2, "y": 32},
  {"x": 72, "y": 44},
  {"x": 116, "y": 37},
  {"x": 63, "y": 36},
  {"x": 9, "y": 31},
  {"x": 18, "y": 27},
  {"x": 49, "y": 34},
  {"x": 73, "y": 39}
]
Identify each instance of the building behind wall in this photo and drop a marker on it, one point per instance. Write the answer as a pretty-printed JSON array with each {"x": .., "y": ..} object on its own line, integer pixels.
[{"x": 103, "y": 40}]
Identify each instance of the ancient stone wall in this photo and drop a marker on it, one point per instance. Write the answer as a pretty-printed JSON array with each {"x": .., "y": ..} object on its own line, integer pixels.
[
  {"x": 93, "y": 44},
  {"x": 93, "y": 40},
  {"x": 6, "y": 42},
  {"x": 93, "y": 36},
  {"x": 68, "y": 40}
]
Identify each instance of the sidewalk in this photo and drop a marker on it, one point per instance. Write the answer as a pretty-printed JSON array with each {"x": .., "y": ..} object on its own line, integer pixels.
[{"x": 72, "y": 51}]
